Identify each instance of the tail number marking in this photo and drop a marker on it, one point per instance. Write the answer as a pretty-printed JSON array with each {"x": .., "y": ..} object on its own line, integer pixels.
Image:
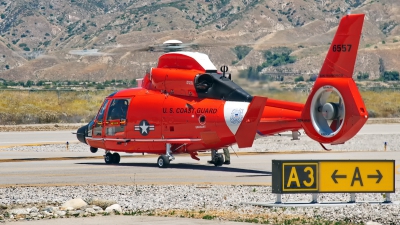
[{"x": 341, "y": 48}]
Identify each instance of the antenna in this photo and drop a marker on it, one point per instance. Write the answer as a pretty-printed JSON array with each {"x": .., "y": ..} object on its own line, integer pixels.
[{"x": 224, "y": 69}]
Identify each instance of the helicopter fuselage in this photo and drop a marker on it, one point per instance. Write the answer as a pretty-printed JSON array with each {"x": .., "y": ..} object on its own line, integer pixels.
[{"x": 152, "y": 119}]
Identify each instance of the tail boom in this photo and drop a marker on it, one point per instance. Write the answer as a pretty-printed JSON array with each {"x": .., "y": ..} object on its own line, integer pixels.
[{"x": 280, "y": 116}]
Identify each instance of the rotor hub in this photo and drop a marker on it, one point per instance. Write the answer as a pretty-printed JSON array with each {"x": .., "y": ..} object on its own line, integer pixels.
[{"x": 330, "y": 111}]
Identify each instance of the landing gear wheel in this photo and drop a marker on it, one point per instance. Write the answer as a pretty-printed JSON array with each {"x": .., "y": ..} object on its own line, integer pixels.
[
  {"x": 109, "y": 158},
  {"x": 93, "y": 149},
  {"x": 218, "y": 160},
  {"x": 116, "y": 158},
  {"x": 163, "y": 161}
]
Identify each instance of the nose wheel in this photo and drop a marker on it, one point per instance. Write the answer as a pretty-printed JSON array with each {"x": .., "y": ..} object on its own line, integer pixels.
[
  {"x": 218, "y": 159},
  {"x": 110, "y": 158}
]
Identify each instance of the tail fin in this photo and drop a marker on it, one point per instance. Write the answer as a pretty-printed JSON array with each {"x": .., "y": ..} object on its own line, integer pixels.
[
  {"x": 337, "y": 122},
  {"x": 342, "y": 54}
]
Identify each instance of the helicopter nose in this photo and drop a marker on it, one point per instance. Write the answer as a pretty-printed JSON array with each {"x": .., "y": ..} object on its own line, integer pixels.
[{"x": 81, "y": 134}]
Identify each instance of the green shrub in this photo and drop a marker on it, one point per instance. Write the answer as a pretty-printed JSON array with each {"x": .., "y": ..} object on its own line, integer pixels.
[
  {"x": 208, "y": 217},
  {"x": 362, "y": 76},
  {"x": 390, "y": 76},
  {"x": 241, "y": 51},
  {"x": 278, "y": 57},
  {"x": 298, "y": 79}
]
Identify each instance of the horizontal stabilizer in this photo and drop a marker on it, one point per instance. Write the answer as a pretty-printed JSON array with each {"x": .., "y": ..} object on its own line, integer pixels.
[{"x": 248, "y": 128}]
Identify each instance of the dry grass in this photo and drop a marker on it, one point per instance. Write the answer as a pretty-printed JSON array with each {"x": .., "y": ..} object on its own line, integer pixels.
[
  {"x": 23, "y": 107},
  {"x": 382, "y": 104},
  {"x": 266, "y": 216},
  {"x": 292, "y": 96}
]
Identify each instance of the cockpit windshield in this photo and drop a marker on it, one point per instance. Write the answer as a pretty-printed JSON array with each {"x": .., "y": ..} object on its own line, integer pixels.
[{"x": 100, "y": 115}]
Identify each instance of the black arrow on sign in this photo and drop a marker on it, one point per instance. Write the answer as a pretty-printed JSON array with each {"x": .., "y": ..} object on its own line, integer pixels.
[
  {"x": 334, "y": 176},
  {"x": 379, "y": 176}
]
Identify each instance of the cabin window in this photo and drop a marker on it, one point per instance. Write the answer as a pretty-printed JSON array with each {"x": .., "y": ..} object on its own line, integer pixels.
[{"x": 116, "y": 117}]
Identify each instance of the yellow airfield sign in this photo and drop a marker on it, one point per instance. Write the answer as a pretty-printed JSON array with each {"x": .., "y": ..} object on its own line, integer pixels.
[
  {"x": 356, "y": 176},
  {"x": 330, "y": 176},
  {"x": 300, "y": 177}
]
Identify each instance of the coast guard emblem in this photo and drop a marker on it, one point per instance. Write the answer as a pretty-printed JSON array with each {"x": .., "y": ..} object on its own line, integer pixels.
[{"x": 236, "y": 116}]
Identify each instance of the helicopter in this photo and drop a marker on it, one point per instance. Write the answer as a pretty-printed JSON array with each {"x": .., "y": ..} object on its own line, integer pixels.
[
  {"x": 185, "y": 106},
  {"x": 171, "y": 46}
]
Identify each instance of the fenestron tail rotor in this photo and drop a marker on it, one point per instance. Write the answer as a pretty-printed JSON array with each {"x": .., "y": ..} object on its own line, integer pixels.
[{"x": 327, "y": 111}]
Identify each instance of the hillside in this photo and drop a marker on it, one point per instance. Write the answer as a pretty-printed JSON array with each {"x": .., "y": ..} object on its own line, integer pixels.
[{"x": 36, "y": 35}]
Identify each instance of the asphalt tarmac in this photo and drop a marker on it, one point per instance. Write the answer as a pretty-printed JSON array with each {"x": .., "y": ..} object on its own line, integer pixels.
[
  {"x": 76, "y": 168},
  {"x": 36, "y": 137},
  {"x": 247, "y": 169}
]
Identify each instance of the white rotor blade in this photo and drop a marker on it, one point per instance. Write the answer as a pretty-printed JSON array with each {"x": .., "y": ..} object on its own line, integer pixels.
[{"x": 323, "y": 98}]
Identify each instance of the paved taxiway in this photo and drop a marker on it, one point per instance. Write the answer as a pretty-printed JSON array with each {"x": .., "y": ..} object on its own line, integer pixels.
[
  {"x": 248, "y": 169},
  {"x": 36, "y": 137},
  {"x": 75, "y": 168}
]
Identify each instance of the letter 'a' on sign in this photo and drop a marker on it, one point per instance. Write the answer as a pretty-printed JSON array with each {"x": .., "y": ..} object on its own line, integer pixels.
[
  {"x": 293, "y": 177},
  {"x": 357, "y": 176}
]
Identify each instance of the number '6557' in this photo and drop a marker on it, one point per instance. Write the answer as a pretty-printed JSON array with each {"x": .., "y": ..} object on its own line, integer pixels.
[{"x": 341, "y": 48}]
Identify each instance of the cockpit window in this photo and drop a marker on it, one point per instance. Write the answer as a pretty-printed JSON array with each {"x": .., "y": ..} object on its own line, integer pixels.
[{"x": 100, "y": 115}]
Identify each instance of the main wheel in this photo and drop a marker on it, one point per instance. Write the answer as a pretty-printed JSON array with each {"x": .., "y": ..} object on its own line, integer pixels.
[
  {"x": 218, "y": 160},
  {"x": 116, "y": 158},
  {"x": 163, "y": 161},
  {"x": 109, "y": 158}
]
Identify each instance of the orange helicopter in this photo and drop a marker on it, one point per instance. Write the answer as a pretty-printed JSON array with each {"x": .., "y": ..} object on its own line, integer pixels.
[{"x": 185, "y": 105}]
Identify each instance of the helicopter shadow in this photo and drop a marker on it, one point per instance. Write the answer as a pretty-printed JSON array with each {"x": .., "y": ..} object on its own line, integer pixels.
[{"x": 185, "y": 166}]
